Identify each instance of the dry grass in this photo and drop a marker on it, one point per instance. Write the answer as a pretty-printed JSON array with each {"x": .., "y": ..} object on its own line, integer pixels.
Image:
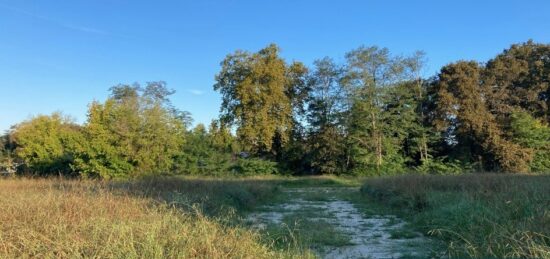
[
  {"x": 478, "y": 215},
  {"x": 69, "y": 218}
]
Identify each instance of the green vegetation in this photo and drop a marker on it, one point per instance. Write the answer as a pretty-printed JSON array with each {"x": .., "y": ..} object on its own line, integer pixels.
[
  {"x": 44, "y": 144},
  {"x": 135, "y": 132},
  {"x": 371, "y": 115},
  {"x": 477, "y": 215},
  {"x": 531, "y": 133}
]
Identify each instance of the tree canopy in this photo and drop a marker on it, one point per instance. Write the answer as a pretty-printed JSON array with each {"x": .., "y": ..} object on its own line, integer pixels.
[{"x": 371, "y": 114}]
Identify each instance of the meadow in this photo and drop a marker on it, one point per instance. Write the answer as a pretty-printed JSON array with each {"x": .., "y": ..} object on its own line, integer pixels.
[
  {"x": 476, "y": 215},
  {"x": 473, "y": 216},
  {"x": 155, "y": 218}
]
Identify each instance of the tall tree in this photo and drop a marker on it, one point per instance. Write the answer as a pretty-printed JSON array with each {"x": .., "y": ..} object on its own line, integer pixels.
[
  {"x": 520, "y": 77},
  {"x": 325, "y": 115},
  {"x": 257, "y": 97},
  {"x": 376, "y": 145},
  {"x": 463, "y": 114},
  {"x": 421, "y": 133}
]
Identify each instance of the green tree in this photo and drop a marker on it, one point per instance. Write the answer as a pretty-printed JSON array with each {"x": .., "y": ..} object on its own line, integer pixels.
[
  {"x": 209, "y": 152},
  {"x": 221, "y": 138},
  {"x": 8, "y": 162},
  {"x": 45, "y": 143},
  {"x": 325, "y": 116},
  {"x": 135, "y": 132},
  {"x": 533, "y": 134},
  {"x": 376, "y": 135},
  {"x": 257, "y": 97},
  {"x": 4, "y": 146},
  {"x": 403, "y": 125}
]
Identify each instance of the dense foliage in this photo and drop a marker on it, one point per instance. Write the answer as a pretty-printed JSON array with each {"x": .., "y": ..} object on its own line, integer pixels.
[{"x": 373, "y": 114}]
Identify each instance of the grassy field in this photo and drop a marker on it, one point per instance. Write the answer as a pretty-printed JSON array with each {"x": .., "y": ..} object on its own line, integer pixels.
[
  {"x": 479, "y": 215},
  {"x": 162, "y": 218}
]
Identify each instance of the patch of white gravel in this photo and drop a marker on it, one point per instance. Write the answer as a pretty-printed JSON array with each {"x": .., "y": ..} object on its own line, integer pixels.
[{"x": 371, "y": 236}]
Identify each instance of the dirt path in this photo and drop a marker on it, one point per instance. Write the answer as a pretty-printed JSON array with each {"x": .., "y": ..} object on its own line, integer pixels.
[{"x": 334, "y": 227}]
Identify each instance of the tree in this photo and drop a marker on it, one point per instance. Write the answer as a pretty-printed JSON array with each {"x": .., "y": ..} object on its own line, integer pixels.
[
  {"x": 45, "y": 143},
  {"x": 8, "y": 163},
  {"x": 463, "y": 115},
  {"x": 196, "y": 151},
  {"x": 520, "y": 78},
  {"x": 257, "y": 97},
  {"x": 4, "y": 149},
  {"x": 532, "y": 134},
  {"x": 135, "y": 132},
  {"x": 374, "y": 134},
  {"x": 208, "y": 152},
  {"x": 291, "y": 153},
  {"x": 221, "y": 138},
  {"x": 325, "y": 116},
  {"x": 403, "y": 126}
]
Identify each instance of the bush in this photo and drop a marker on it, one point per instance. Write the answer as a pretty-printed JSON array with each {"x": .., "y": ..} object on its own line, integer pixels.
[
  {"x": 255, "y": 166},
  {"x": 46, "y": 143},
  {"x": 443, "y": 167}
]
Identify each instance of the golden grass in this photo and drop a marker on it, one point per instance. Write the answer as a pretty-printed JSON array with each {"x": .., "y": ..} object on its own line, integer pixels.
[{"x": 75, "y": 219}]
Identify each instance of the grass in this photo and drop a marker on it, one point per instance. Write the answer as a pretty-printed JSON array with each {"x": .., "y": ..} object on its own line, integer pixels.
[
  {"x": 478, "y": 215},
  {"x": 152, "y": 218},
  {"x": 319, "y": 181},
  {"x": 212, "y": 196},
  {"x": 307, "y": 233},
  {"x": 403, "y": 233},
  {"x": 307, "y": 230}
]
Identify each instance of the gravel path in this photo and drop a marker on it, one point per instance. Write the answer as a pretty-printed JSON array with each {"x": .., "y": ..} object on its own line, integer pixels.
[{"x": 371, "y": 236}]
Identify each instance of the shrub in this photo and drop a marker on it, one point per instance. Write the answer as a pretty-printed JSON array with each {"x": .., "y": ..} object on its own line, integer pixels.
[
  {"x": 255, "y": 166},
  {"x": 443, "y": 167},
  {"x": 46, "y": 143}
]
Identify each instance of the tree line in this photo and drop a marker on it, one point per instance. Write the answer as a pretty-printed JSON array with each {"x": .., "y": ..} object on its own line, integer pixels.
[{"x": 373, "y": 114}]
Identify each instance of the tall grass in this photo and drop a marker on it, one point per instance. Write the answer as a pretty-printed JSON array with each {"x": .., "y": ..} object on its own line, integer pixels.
[
  {"x": 75, "y": 219},
  {"x": 212, "y": 196},
  {"x": 478, "y": 215}
]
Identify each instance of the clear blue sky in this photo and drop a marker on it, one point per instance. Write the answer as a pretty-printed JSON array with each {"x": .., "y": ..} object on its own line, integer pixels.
[{"x": 61, "y": 55}]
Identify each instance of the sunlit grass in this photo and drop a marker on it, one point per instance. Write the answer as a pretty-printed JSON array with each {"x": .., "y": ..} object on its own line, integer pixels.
[
  {"x": 478, "y": 215},
  {"x": 76, "y": 219}
]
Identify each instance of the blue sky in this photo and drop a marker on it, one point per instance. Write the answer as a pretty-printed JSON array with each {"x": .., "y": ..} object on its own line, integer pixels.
[{"x": 61, "y": 55}]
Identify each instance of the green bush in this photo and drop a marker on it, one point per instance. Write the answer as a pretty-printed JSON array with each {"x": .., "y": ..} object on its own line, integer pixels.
[
  {"x": 255, "y": 166},
  {"x": 45, "y": 144},
  {"x": 442, "y": 166},
  {"x": 534, "y": 134}
]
